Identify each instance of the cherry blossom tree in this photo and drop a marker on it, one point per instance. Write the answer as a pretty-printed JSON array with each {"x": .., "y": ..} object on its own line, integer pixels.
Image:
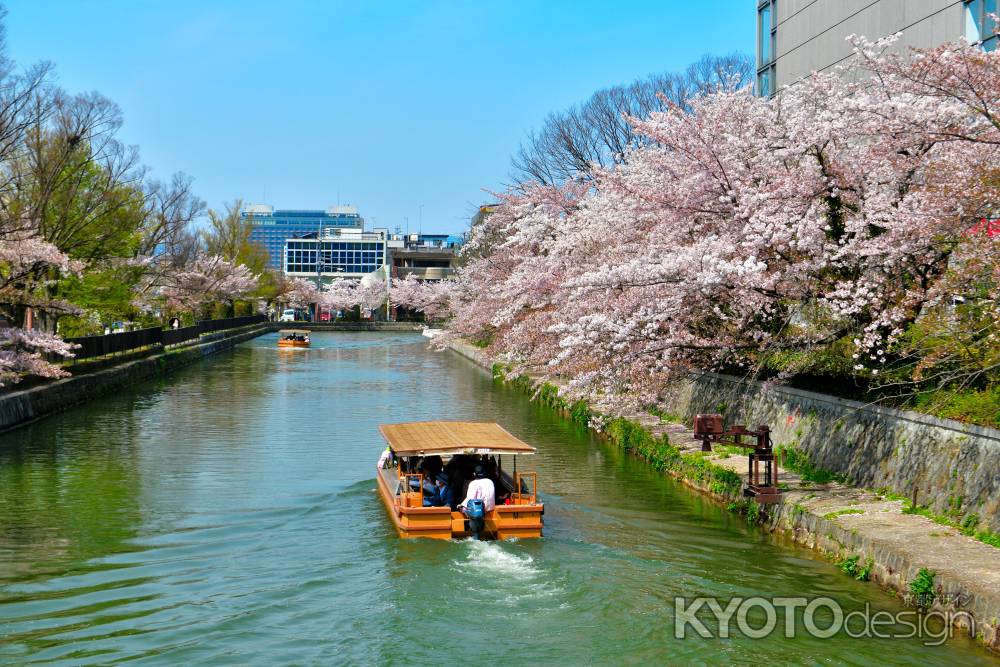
[
  {"x": 300, "y": 293},
  {"x": 340, "y": 294},
  {"x": 432, "y": 298},
  {"x": 370, "y": 293},
  {"x": 24, "y": 353},
  {"x": 207, "y": 280},
  {"x": 27, "y": 265},
  {"x": 345, "y": 293},
  {"x": 742, "y": 230}
]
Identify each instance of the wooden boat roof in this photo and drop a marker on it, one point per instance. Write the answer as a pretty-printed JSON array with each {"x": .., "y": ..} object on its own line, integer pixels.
[
  {"x": 294, "y": 331},
  {"x": 447, "y": 437}
]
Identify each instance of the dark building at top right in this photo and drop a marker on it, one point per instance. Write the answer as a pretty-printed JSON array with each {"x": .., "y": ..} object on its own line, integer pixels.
[{"x": 798, "y": 37}]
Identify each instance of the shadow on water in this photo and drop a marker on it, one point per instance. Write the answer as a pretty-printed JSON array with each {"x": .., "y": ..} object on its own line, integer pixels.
[{"x": 227, "y": 515}]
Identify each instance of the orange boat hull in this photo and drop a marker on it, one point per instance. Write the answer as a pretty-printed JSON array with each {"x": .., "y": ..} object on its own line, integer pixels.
[{"x": 413, "y": 520}]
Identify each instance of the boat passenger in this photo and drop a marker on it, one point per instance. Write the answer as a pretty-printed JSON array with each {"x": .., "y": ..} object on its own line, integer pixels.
[
  {"x": 454, "y": 470},
  {"x": 442, "y": 493},
  {"x": 429, "y": 472},
  {"x": 482, "y": 491},
  {"x": 411, "y": 464},
  {"x": 385, "y": 460},
  {"x": 482, "y": 488}
]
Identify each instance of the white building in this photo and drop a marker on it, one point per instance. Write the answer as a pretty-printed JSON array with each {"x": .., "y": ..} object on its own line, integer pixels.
[{"x": 346, "y": 253}]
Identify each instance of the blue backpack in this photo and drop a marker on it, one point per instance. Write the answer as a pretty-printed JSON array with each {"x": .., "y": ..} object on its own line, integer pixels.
[{"x": 476, "y": 509}]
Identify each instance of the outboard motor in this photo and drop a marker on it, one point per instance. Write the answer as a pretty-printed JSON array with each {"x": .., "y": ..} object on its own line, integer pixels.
[{"x": 476, "y": 511}]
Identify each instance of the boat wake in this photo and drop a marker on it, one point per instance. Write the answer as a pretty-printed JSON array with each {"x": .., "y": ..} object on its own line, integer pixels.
[
  {"x": 501, "y": 576},
  {"x": 492, "y": 557}
]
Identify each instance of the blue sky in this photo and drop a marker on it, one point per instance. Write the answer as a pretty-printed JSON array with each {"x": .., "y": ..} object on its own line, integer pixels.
[{"x": 383, "y": 105}]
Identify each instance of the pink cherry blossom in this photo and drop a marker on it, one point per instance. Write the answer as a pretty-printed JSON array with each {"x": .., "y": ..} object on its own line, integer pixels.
[
  {"x": 743, "y": 227},
  {"x": 207, "y": 280},
  {"x": 432, "y": 298}
]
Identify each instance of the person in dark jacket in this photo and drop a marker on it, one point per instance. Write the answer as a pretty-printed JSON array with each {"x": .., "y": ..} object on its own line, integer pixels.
[{"x": 442, "y": 493}]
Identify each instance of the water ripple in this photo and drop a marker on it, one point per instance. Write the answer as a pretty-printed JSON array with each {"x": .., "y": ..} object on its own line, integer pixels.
[{"x": 227, "y": 515}]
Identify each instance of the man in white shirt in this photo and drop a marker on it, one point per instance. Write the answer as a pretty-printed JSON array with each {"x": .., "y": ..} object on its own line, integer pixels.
[{"x": 481, "y": 488}]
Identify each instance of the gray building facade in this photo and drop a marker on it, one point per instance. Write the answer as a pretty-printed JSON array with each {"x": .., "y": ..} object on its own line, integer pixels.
[{"x": 798, "y": 37}]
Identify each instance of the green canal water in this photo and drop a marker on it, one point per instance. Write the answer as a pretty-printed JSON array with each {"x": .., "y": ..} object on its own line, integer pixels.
[{"x": 227, "y": 515}]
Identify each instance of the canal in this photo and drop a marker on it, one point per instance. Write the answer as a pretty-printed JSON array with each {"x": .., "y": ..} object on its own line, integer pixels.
[{"x": 227, "y": 515}]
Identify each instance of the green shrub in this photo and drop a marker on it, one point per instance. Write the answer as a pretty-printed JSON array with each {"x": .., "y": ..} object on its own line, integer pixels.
[
  {"x": 754, "y": 515},
  {"x": 665, "y": 417},
  {"x": 865, "y": 572},
  {"x": 796, "y": 460},
  {"x": 849, "y": 565},
  {"x": 923, "y": 587},
  {"x": 482, "y": 342},
  {"x": 853, "y": 568},
  {"x": 988, "y": 537},
  {"x": 580, "y": 412},
  {"x": 725, "y": 482},
  {"x": 970, "y": 523},
  {"x": 749, "y": 509},
  {"x": 980, "y": 406}
]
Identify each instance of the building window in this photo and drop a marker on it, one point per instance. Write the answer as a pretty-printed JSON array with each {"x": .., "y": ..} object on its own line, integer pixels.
[
  {"x": 764, "y": 33},
  {"x": 767, "y": 42},
  {"x": 765, "y": 84},
  {"x": 980, "y": 28}
]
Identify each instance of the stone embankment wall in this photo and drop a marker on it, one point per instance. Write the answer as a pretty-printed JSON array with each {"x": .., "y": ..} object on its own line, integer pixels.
[
  {"x": 954, "y": 467},
  {"x": 20, "y": 407}
]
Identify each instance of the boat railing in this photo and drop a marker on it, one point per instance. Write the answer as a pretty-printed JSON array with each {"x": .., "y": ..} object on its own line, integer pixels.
[
  {"x": 524, "y": 493},
  {"x": 409, "y": 497}
]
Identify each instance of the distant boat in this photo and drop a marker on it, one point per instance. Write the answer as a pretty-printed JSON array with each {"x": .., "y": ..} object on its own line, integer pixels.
[
  {"x": 431, "y": 333},
  {"x": 460, "y": 446},
  {"x": 293, "y": 338}
]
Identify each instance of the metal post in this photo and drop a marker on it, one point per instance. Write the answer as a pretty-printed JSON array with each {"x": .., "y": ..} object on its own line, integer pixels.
[
  {"x": 388, "y": 278},
  {"x": 319, "y": 267}
]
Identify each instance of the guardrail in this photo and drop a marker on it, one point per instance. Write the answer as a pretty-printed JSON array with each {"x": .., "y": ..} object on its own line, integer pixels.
[
  {"x": 98, "y": 346},
  {"x": 118, "y": 343},
  {"x": 177, "y": 336}
]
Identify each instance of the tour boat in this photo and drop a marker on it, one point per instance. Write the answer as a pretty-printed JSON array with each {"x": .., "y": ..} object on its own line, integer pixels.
[
  {"x": 461, "y": 446},
  {"x": 293, "y": 338}
]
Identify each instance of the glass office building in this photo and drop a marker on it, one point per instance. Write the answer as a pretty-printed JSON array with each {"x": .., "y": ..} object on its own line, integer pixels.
[
  {"x": 346, "y": 253},
  {"x": 272, "y": 227}
]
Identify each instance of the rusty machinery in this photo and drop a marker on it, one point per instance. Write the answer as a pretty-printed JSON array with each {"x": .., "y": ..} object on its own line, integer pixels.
[{"x": 761, "y": 487}]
